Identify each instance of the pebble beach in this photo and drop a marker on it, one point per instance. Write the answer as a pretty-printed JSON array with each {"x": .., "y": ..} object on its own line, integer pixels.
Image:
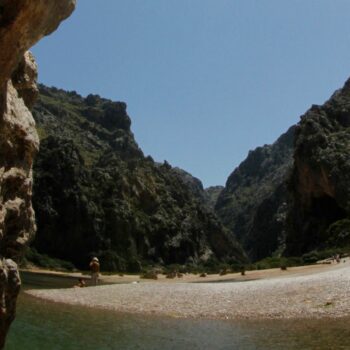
[{"x": 309, "y": 293}]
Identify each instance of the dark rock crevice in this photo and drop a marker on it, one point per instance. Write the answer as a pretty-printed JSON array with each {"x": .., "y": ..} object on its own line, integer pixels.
[
  {"x": 319, "y": 185},
  {"x": 253, "y": 203}
]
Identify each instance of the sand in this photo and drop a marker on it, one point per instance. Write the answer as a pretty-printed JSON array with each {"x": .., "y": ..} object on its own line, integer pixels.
[{"x": 303, "y": 292}]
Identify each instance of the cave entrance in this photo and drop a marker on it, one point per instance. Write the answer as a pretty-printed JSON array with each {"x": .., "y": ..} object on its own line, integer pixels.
[
  {"x": 323, "y": 212},
  {"x": 327, "y": 210}
]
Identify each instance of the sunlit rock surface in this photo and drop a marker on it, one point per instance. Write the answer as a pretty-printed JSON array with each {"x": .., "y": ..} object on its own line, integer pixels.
[
  {"x": 22, "y": 24},
  {"x": 129, "y": 211}
]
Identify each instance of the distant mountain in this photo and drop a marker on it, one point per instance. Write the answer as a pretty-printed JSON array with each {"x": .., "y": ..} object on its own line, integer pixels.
[
  {"x": 253, "y": 203},
  {"x": 212, "y": 195},
  {"x": 194, "y": 184},
  {"x": 95, "y": 193}
]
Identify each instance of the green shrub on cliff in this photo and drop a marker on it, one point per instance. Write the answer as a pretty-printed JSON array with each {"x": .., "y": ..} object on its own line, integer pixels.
[
  {"x": 45, "y": 261},
  {"x": 95, "y": 194},
  {"x": 254, "y": 202},
  {"x": 320, "y": 183}
]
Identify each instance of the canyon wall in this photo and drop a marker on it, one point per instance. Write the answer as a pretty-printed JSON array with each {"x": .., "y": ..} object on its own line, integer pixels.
[
  {"x": 253, "y": 203},
  {"x": 320, "y": 209},
  {"x": 96, "y": 194},
  {"x": 22, "y": 24}
]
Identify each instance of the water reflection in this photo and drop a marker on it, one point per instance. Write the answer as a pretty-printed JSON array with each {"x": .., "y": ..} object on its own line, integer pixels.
[{"x": 46, "y": 325}]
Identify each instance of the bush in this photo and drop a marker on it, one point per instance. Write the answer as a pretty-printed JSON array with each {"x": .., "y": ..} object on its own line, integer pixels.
[
  {"x": 171, "y": 275},
  {"x": 315, "y": 255},
  {"x": 212, "y": 265},
  {"x": 134, "y": 266},
  {"x": 311, "y": 257},
  {"x": 279, "y": 262},
  {"x": 45, "y": 261},
  {"x": 150, "y": 275},
  {"x": 174, "y": 268},
  {"x": 111, "y": 261},
  {"x": 339, "y": 233}
]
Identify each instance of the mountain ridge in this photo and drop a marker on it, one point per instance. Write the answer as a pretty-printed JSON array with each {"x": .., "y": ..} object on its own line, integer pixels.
[{"x": 96, "y": 194}]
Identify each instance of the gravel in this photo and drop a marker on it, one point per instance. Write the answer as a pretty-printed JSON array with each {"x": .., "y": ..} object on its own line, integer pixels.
[{"x": 323, "y": 294}]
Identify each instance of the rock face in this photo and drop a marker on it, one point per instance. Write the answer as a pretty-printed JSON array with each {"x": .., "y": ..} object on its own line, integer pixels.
[
  {"x": 22, "y": 24},
  {"x": 212, "y": 195},
  {"x": 195, "y": 185},
  {"x": 95, "y": 193},
  {"x": 207, "y": 196},
  {"x": 253, "y": 203},
  {"x": 321, "y": 177}
]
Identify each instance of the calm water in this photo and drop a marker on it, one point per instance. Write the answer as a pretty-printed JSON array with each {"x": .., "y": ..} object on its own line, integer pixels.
[{"x": 44, "y": 325}]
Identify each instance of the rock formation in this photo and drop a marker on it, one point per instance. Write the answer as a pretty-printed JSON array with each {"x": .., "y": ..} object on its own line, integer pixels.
[
  {"x": 212, "y": 195},
  {"x": 320, "y": 209},
  {"x": 253, "y": 203},
  {"x": 195, "y": 185},
  {"x": 95, "y": 193},
  {"x": 22, "y": 24},
  {"x": 293, "y": 197}
]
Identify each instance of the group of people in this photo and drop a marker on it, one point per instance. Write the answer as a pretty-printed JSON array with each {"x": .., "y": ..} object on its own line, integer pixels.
[
  {"x": 95, "y": 273},
  {"x": 337, "y": 258}
]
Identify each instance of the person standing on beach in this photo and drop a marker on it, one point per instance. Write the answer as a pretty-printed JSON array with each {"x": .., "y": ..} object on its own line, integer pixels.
[{"x": 95, "y": 270}]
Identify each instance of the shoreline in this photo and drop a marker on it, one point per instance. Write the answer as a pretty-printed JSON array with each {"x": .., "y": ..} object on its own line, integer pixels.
[
  {"x": 321, "y": 291},
  {"x": 191, "y": 278}
]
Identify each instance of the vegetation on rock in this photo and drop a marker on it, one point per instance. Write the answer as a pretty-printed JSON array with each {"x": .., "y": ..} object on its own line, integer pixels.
[
  {"x": 293, "y": 197},
  {"x": 320, "y": 207},
  {"x": 213, "y": 193},
  {"x": 95, "y": 193},
  {"x": 253, "y": 203}
]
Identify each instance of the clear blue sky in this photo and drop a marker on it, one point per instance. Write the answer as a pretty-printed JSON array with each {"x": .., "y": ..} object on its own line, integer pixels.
[{"x": 205, "y": 80}]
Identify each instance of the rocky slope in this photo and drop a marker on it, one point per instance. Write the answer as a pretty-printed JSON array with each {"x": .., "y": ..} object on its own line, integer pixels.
[
  {"x": 207, "y": 196},
  {"x": 96, "y": 193},
  {"x": 22, "y": 24},
  {"x": 253, "y": 203},
  {"x": 319, "y": 215},
  {"x": 212, "y": 195}
]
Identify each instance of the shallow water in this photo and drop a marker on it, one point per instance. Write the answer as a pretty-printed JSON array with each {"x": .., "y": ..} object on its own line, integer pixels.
[{"x": 46, "y": 325}]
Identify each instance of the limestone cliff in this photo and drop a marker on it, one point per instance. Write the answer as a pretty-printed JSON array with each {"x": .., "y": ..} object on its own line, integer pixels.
[
  {"x": 212, "y": 195},
  {"x": 320, "y": 210},
  {"x": 253, "y": 203},
  {"x": 195, "y": 185},
  {"x": 95, "y": 193},
  {"x": 22, "y": 24}
]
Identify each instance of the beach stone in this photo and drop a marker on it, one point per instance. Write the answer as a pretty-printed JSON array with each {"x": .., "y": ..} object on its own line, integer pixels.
[
  {"x": 22, "y": 24},
  {"x": 303, "y": 293}
]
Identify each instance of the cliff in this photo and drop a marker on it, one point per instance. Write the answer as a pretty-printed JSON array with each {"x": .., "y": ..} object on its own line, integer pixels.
[
  {"x": 22, "y": 24},
  {"x": 96, "y": 193},
  {"x": 206, "y": 197},
  {"x": 293, "y": 197},
  {"x": 319, "y": 185},
  {"x": 212, "y": 195},
  {"x": 253, "y": 203}
]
